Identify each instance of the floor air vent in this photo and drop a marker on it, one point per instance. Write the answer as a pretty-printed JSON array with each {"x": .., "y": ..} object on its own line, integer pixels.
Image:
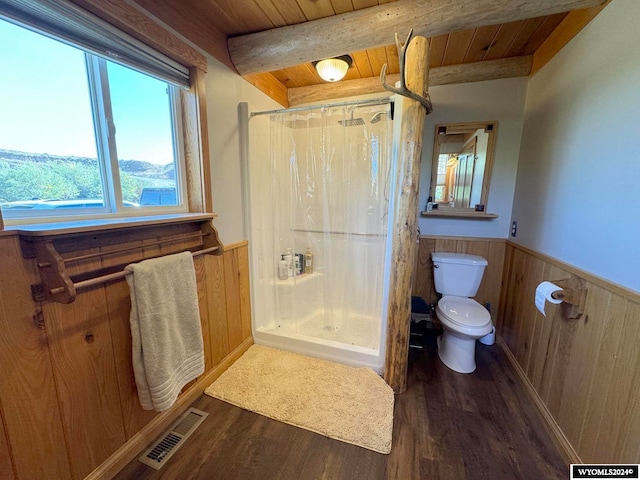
[{"x": 167, "y": 445}]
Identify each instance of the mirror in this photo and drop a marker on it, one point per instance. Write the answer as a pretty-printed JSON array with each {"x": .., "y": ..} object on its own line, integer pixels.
[{"x": 461, "y": 167}]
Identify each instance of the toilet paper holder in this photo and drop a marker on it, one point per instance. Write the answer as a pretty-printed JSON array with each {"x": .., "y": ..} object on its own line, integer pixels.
[{"x": 573, "y": 296}]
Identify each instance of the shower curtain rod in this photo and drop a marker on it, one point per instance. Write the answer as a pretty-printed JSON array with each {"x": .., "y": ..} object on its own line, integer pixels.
[{"x": 373, "y": 101}]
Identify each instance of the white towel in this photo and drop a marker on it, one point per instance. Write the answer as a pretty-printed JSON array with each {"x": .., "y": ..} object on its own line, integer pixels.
[{"x": 166, "y": 335}]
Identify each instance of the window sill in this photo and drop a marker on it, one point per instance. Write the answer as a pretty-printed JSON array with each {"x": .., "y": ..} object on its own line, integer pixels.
[
  {"x": 445, "y": 213},
  {"x": 102, "y": 225}
]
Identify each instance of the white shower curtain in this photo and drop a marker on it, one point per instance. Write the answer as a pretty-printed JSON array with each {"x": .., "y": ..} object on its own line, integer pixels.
[{"x": 319, "y": 182}]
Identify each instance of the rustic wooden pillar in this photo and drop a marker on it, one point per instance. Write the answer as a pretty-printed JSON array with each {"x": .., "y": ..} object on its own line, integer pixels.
[{"x": 405, "y": 216}]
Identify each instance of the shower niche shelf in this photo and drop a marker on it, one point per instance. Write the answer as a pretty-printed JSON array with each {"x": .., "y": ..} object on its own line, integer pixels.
[
  {"x": 459, "y": 214},
  {"x": 298, "y": 279}
]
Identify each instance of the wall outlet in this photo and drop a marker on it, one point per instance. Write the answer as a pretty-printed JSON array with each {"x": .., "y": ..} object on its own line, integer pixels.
[{"x": 514, "y": 228}]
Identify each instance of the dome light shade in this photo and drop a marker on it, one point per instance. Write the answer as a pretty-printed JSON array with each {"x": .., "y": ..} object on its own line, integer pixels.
[{"x": 333, "y": 69}]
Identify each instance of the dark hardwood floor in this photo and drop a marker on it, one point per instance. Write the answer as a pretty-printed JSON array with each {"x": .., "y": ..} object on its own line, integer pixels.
[{"x": 446, "y": 426}]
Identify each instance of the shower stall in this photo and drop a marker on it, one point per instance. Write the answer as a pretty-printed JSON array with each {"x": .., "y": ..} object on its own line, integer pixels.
[{"x": 319, "y": 185}]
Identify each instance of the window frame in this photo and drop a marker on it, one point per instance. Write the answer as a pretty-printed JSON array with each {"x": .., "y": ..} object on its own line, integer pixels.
[
  {"x": 99, "y": 81},
  {"x": 188, "y": 110}
]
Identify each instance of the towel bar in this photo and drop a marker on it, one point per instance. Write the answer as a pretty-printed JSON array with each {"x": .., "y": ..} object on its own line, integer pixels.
[{"x": 114, "y": 276}]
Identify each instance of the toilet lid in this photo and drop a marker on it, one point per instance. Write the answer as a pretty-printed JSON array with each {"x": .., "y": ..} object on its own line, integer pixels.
[{"x": 465, "y": 312}]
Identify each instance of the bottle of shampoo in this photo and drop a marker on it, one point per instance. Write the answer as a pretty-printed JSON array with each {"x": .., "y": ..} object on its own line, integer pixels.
[
  {"x": 289, "y": 259},
  {"x": 296, "y": 264},
  {"x": 308, "y": 261},
  {"x": 429, "y": 204},
  {"x": 282, "y": 268}
]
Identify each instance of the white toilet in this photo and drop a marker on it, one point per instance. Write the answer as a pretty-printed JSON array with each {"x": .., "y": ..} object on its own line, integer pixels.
[{"x": 457, "y": 277}]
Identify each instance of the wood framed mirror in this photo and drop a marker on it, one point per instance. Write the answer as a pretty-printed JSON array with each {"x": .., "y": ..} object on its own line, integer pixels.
[{"x": 461, "y": 166}]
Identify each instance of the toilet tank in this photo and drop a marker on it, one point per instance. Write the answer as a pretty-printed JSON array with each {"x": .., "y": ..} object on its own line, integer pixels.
[{"x": 457, "y": 274}]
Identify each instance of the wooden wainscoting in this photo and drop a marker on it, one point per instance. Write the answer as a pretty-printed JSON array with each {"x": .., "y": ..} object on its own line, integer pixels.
[
  {"x": 584, "y": 373},
  {"x": 490, "y": 248},
  {"x": 68, "y": 399}
]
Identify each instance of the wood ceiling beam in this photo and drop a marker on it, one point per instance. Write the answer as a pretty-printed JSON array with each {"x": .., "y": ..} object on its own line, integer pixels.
[
  {"x": 468, "y": 72},
  {"x": 371, "y": 27}
]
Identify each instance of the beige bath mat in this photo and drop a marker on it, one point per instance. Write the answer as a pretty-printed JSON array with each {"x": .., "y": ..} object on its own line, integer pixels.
[{"x": 350, "y": 404}]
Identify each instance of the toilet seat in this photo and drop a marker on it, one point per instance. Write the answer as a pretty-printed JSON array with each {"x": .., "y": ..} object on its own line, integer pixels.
[{"x": 464, "y": 315}]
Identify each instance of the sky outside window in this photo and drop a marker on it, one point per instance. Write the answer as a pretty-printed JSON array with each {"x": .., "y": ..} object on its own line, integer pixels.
[
  {"x": 142, "y": 114},
  {"x": 44, "y": 99}
]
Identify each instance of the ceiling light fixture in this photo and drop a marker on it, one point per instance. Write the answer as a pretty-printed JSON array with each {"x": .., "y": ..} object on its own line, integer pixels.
[{"x": 333, "y": 69}]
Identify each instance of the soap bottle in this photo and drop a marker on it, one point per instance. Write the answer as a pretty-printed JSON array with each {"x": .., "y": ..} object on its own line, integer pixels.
[
  {"x": 308, "y": 261},
  {"x": 289, "y": 259},
  {"x": 282, "y": 268},
  {"x": 429, "y": 204},
  {"x": 296, "y": 264}
]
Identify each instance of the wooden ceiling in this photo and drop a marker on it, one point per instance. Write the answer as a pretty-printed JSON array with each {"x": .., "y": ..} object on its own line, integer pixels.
[
  {"x": 475, "y": 45},
  {"x": 210, "y": 23}
]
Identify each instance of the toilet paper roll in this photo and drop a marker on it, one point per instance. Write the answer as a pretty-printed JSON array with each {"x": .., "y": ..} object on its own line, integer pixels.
[{"x": 543, "y": 294}]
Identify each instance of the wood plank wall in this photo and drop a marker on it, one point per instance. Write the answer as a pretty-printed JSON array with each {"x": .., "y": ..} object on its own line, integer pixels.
[
  {"x": 490, "y": 248},
  {"x": 67, "y": 393},
  {"x": 584, "y": 373}
]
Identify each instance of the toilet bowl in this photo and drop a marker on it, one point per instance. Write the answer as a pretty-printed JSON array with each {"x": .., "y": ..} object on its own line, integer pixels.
[
  {"x": 463, "y": 322},
  {"x": 457, "y": 277}
]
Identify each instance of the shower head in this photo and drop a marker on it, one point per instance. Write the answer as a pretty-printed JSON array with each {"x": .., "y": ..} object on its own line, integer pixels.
[
  {"x": 351, "y": 122},
  {"x": 377, "y": 117}
]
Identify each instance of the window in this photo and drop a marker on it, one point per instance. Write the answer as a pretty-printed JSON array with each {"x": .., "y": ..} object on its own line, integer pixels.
[
  {"x": 82, "y": 135},
  {"x": 446, "y": 162}
]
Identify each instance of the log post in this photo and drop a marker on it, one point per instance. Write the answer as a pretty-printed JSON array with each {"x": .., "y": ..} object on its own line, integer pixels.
[{"x": 405, "y": 216}]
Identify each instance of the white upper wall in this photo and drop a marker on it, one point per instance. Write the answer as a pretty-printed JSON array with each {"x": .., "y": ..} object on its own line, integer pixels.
[
  {"x": 501, "y": 100},
  {"x": 578, "y": 188},
  {"x": 225, "y": 90}
]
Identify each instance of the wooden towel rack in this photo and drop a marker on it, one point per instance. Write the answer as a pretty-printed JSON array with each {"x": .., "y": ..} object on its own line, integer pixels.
[
  {"x": 56, "y": 252},
  {"x": 115, "y": 276}
]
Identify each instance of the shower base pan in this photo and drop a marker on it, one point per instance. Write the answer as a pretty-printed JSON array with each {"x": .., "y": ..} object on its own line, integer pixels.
[{"x": 321, "y": 341}]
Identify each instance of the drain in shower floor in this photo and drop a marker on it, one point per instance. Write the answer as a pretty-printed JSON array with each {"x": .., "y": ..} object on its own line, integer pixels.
[{"x": 330, "y": 328}]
